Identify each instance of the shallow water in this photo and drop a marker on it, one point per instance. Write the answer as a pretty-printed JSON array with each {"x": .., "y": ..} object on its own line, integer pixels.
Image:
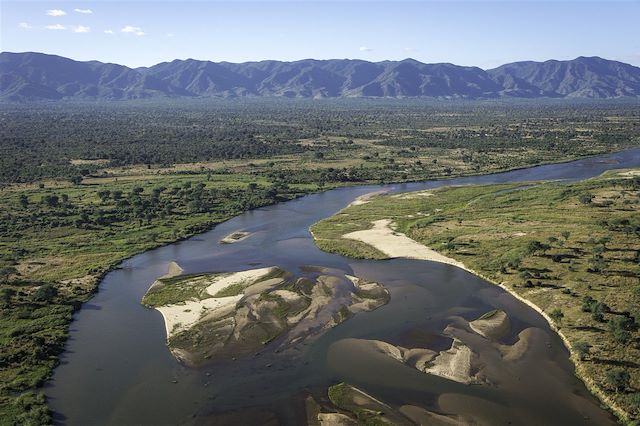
[{"x": 118, "y": 370}]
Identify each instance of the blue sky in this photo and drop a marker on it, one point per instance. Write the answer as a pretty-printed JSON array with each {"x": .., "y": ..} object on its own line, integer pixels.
[{"x": 480, "y": 33}]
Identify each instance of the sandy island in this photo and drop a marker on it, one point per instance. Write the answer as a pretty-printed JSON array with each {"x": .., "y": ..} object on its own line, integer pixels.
[
  {"x": 226, "y": 315},
  {"x": 235, "y": 236},
  {"x": 183, "y": 316}
]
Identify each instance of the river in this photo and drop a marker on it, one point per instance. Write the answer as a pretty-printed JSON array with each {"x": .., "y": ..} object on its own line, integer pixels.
[{"x": 117, "y": 370}]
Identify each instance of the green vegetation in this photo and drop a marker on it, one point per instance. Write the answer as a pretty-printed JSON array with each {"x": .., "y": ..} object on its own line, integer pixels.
[
  {"x": 303, "y": 140},
  {"x": 338, "y": 394},
  {"x": 85, "y": 186},
  {"x": 169, "y": 291},
  {"x": 56, "y": 242},
  {"x": 488, "y": 315},
  {"x": 579, "y": 262},
  {"x": 342, "y": 397}
]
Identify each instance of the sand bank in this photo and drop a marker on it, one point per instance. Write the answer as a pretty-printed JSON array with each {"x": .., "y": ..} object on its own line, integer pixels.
[
  {"x": 396, "y": 244},
  {"x": 364, "y": 199},
  {"x": 492, "y": 325},
  {"x": 182, "y": 316},
  {"x": 235, "y": 236}
]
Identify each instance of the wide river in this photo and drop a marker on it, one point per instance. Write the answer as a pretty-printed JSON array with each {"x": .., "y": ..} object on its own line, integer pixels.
[{"x": 117, "y": 369}]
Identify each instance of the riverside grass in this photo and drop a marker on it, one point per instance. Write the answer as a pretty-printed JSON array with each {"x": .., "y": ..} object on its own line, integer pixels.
[{"x": 551, "y": 243}]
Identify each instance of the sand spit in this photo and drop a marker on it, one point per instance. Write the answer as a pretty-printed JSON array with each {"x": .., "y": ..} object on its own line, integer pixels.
[
  {"x": 364, "y": 199},
  {"x": 336, "y": 419},
  {"x": 492, "y": 325},
  {"x": 454, "y": 364},
  {"x": 415, "y": 195},
  {"x": 396, "y": 244},
  {"x": 173, "y": 270},
  {"x": 519, "y": 349},
  {"x": 235, "y": 236},
  {"x": 420, "y": 416}
]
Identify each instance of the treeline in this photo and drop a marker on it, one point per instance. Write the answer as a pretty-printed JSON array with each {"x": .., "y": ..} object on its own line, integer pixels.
[{"x": 40, "y": 141}]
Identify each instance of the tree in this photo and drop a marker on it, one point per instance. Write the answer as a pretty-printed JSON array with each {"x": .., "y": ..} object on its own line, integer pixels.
[
  {"x": 565, "y": 235},
  {"x": 52, "y": 200},
  {"x": 618, "y": 379},
  {"x": 6, "y": 294},
  {"x": 582, "y": 349},
  {"x": 536, "y": 246},
  {"x": 76, "y": 180},
  {"x": 619, "y": 326},
  {"x": 6, "y": 271},
  {"x": 586, "y": 199},
  {"x": 24, "y": 201},
  {"x": 557, "y": 315},
  {"x": 104, "y": 195},
  {"x": 45, "y": 293}
]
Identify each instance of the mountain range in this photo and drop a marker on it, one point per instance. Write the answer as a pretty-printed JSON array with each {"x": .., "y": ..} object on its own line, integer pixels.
[{"x": 36, "y": 76}]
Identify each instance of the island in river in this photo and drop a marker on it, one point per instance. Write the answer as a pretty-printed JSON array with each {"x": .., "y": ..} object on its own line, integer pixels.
[{"x": 229, "y": 315}]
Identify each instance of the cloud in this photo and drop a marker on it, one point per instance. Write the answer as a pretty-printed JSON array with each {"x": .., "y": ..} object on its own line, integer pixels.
[
  {"x": 55, "y": 27},
  {"x": 81, "y": 29},
  {"x": 108, "y": 31},
  {"x": 84, "y": 11},
  {"x": 56, "y": 12},
  {"x": 24, "y": 25},
  {"x": 134, "y": 30},
  {"x": 410, "y": 49},
  {"x": 365, "y": 49}
]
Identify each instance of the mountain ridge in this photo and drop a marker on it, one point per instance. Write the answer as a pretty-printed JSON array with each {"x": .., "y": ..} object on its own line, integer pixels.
[{"x": 32, "y": 76}]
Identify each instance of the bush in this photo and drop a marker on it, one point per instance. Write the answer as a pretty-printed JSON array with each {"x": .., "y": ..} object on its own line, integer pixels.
[
  {"x": 45, "y": 293},
  {"x": 634, "y": 402},
  {"x": 556, "y": 315},
  {"x": 618, "y": 379},
  {"x": 582, "y": 349}
]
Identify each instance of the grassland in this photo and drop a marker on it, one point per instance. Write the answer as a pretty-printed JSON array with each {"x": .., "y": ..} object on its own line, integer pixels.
[
  {"x": 84, "y": 186},
  {"x": 571, "y": 249}
]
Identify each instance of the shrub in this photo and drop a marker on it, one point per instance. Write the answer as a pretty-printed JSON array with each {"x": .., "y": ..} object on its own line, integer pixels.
[
  {"x": 556, "y": 315},
  {"x": 618, "y": 379},
  {"x": 45, "y": 293},
  {"x": 582, "y": 349}
]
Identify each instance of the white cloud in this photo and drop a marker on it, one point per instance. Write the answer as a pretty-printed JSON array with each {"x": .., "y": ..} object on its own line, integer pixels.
[
  {"x": 84, "y": 11},
  {"x": 55, "y": 27},
  {"x": 56, "y": 12},
  {"x": 134, "y": 30},
  {"x": 81, "y": 29},
  {"x": 108, "y": 31},
  {"x": 365, "y": 49},
  {"x": 24, "y": 25}
]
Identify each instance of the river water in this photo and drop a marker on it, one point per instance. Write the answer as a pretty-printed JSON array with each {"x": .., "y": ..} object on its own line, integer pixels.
[{"x": 117, "y": 369}]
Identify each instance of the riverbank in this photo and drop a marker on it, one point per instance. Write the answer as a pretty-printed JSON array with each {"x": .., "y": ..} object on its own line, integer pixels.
[
  {"x": 82, "y": 249},
  {"x": 551, "y": 246}
]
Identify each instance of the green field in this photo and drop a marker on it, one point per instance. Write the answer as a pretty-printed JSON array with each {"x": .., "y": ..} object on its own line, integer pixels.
[{"x": 571, "y": 249}]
